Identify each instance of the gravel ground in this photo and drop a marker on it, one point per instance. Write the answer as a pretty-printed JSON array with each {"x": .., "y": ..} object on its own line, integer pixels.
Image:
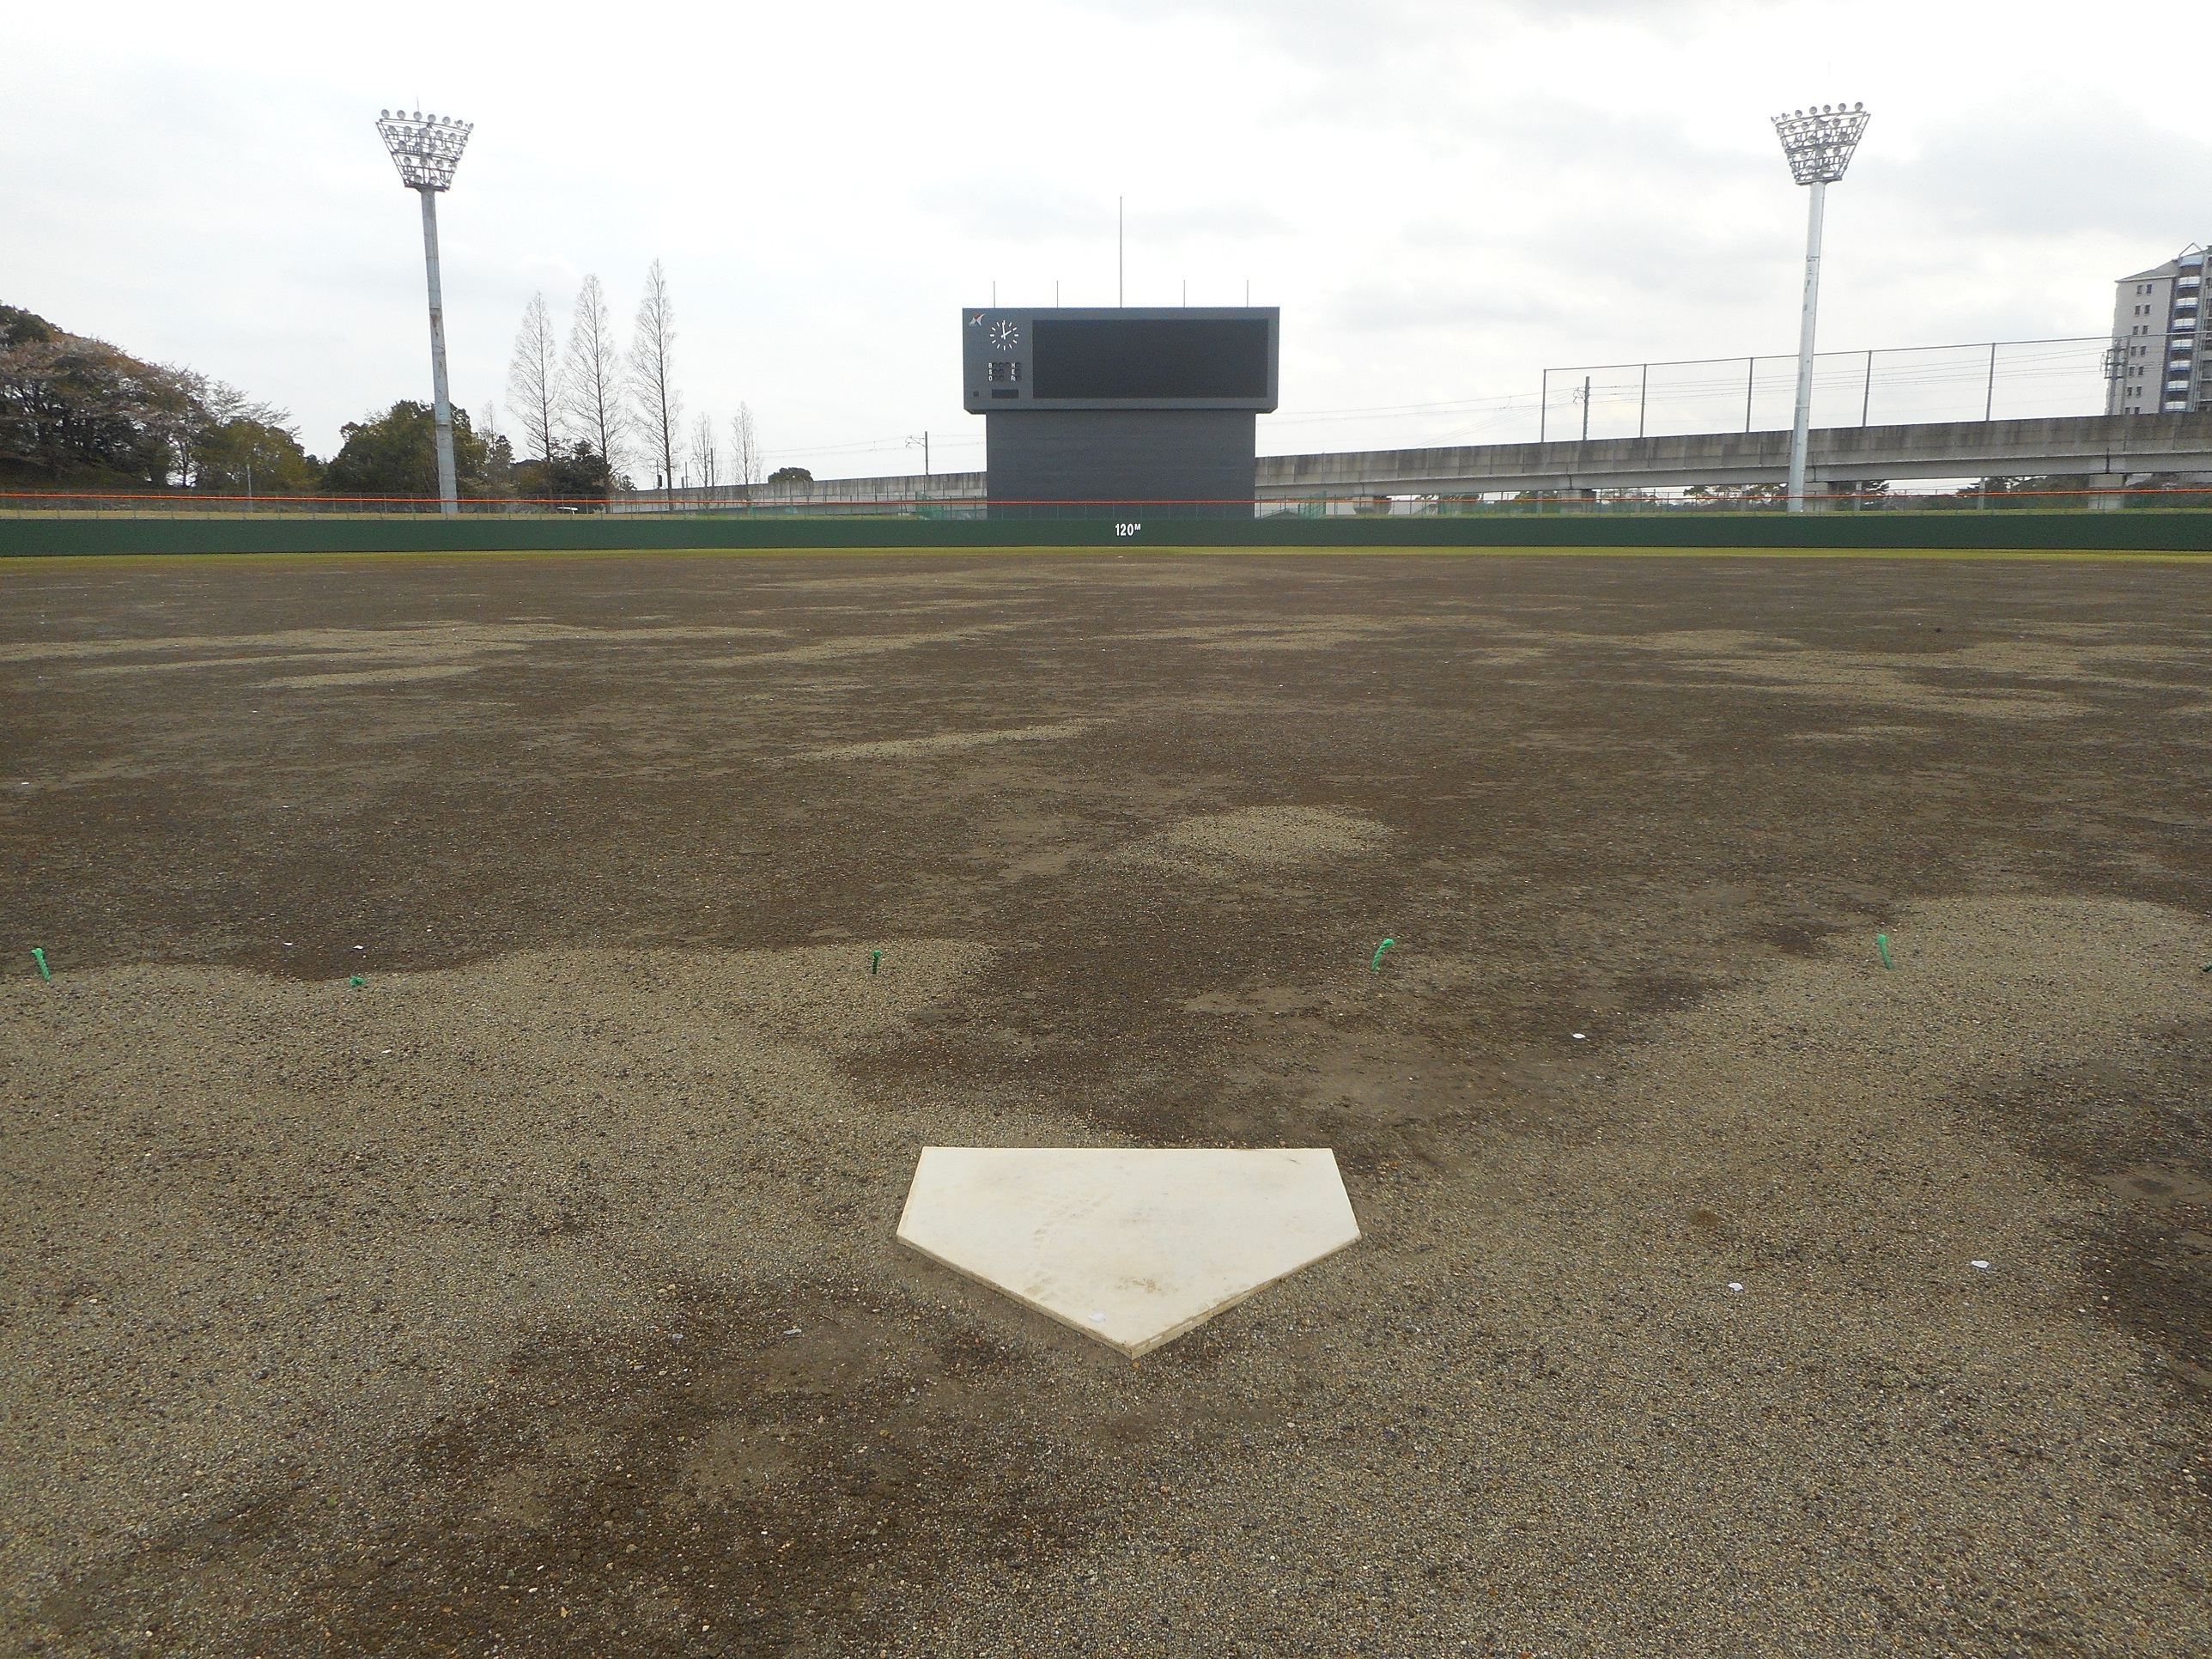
[{"x": 1724, "y": 1291}]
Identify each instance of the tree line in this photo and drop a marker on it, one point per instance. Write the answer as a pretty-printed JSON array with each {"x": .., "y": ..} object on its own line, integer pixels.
[
  {"x": 75, "y": 410},
  {"x": 79, "y": 414}
]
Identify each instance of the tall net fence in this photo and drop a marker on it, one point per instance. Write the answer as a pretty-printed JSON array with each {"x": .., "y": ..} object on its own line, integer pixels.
[{"x": 2000, "y": 380}]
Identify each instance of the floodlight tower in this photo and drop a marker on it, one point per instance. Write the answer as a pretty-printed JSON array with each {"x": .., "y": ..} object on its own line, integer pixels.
[
  {"x": 426, "y": 149},
  {"x": 1819, "y": 143}
]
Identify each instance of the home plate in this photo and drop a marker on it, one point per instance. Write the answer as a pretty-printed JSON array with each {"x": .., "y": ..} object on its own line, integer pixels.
[{"x": 1132, "y": 1247}]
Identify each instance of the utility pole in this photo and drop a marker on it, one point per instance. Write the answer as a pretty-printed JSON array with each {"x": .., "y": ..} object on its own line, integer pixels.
[
  {"x": 1121, "y": 252},
  {"x": 1818, "y": 144},
  {"x": 426, "y": 149}
]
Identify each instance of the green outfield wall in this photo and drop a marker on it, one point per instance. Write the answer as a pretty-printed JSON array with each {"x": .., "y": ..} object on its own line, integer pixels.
[{"x": 1966, "y": 531}]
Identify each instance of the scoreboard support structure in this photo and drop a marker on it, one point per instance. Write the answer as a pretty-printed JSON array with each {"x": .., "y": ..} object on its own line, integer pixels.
[{"x": 1122, "y": 409}]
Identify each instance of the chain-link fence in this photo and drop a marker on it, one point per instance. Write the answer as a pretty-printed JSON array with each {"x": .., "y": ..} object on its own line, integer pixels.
[
  {"x": 1993, "y": 381},
  {"x": 2048, "y": 493}
]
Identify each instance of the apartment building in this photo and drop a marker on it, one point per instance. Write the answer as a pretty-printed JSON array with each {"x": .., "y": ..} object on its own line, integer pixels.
[{"x": 2157, "y": 361}]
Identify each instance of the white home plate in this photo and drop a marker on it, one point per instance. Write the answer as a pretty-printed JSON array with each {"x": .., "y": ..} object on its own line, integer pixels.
[{"x": 1133, "y": 1248}]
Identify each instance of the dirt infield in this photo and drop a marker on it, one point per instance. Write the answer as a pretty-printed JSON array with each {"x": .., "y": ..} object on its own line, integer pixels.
[{"x": 1724, "y": 1291}]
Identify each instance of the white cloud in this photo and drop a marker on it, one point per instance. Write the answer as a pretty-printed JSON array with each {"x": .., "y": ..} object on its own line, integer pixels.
[{"x": 1444, "y": 195}]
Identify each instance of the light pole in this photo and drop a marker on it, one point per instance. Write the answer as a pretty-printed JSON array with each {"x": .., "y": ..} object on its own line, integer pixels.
[
  {"x": 426, "y": 149},
  {"x": 1819, "y": 143}
]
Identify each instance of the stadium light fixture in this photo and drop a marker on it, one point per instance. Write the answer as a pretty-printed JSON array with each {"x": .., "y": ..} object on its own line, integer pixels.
[
  {"x": 426, "y": 149},
  {"x": 1818, "y": 144}
]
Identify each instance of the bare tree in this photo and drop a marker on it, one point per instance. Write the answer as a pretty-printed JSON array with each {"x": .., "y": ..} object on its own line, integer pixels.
[
  {"x": 225, "y": 402},
  {"x": 594, "y": 376},
  {"x": 653, "y": 375},
  {"x": 533, "y": 382},
  {"x": 746, "y": 466},
  {"x": 705, "y": 457}
]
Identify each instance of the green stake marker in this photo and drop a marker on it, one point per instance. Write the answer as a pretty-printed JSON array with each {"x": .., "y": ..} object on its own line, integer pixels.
[
  {"x": 1376, "y": 966},
  {"x": 39, "y": 956},
  {"x": 1881, "y": 944},
  {"x": 875, "y": 960},
  {"x": 356, "y": 981}
]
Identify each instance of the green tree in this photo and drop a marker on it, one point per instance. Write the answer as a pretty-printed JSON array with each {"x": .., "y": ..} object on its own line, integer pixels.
[
  {"x": 1757, "y": 492},
  {"x": 577, "y": 474},
  {"x": 395, "y": 453},
  {"x": 22, "y": 327},
  {"x": 78, "y": 410},
  {"x": 791, "y": 474},
  {"x": 243, "y": 456}
]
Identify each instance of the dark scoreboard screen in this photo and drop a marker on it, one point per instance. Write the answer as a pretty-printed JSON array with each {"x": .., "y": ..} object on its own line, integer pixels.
[
  {"x": 1151, "y": 358},
  {"x": 1016, "y": 360}
]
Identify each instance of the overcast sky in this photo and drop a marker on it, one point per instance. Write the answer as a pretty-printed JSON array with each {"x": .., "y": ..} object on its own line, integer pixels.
[{"x": 1444, "y": 199}]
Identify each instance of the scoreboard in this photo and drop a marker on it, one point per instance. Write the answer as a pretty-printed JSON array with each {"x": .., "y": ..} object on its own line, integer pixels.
[{"x": 1119, "y": 358}]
